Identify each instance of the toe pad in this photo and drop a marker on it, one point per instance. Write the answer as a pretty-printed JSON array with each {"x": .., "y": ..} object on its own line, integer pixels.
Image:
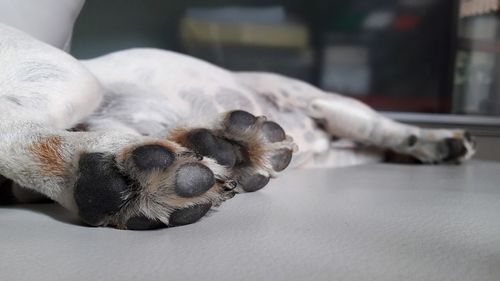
[
  {"x": 273, "y": 131},
  {"x": 254, "y": 182},
  {"x": 241, "y": 120},
  {"x": 281, "y": 159},
  {"x": 189, "y": 215},
  {"x": 154, "y": 156},
  {"x": 205, "y": 143},
  {"x": 143, "y": 223},
  {"x": 193, "y": 179}
]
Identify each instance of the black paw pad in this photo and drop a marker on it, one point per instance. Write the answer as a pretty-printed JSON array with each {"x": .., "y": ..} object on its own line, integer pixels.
[
  {"x": 154, "y": 156},
  {"x": 203, "y": 142},
  {"x": 241, "y": 120},
  {"x": 281, "y": 159},
  {"x": 99, "y": 189},
  {"x": 143, "y": 223},
  {"x": 412, "y": 140},
  {"x": 456, "y": 149},
  {"x": 254, "y": 182},
  {"x": 193, "y": 179},
  {"x": 189, "y": 215},
  {"x": 273, "y": 132}
]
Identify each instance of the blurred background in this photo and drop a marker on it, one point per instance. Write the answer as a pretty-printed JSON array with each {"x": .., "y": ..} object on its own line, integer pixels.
[{"x": 428, "y": 62}]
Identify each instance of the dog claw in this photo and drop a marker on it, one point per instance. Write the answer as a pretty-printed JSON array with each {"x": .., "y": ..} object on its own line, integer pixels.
[{"x": 230, "y": 185}]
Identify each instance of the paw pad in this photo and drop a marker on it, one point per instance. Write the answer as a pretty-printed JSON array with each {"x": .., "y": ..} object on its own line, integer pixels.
[
  {"x": 99, "y": 188},
  {"x": 273, "y": 132},
  {"x": 149, "y": 157},
  {"x": 193, "y": 179},
  {"x": 455, "y": 149},
  {"x": 204, "y": 142},
  {"x": 143, "y": 223},
  {"x": 240, "y": 120},
  {"x": 189, "y": 215},
  {"x": 254, "y": 182},
  {"x": 281, "y": 159}
]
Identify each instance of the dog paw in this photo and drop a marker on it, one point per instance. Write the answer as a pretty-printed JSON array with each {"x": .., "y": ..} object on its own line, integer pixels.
[
  {"x": 441, "y": 146},
  {"x": 149, "y": 186},
  {"x": 254, "y": 149}
]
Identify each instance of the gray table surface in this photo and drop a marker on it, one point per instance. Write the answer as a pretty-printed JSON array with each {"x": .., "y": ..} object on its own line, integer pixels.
[{"x": 371, "y": 222}]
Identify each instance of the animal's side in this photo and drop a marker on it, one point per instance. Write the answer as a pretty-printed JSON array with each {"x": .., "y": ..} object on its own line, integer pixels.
[{"x": 145, "y": 138}]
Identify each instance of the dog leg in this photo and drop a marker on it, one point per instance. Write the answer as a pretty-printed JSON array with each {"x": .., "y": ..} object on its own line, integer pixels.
[
  {"x": 107, "y": 178},
  {"x": 126, "y": 181},
  {"x": 349, "y": 118}
]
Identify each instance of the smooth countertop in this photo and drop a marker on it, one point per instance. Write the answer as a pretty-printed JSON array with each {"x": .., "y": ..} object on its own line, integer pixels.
[{"x": 369, "y": 222}]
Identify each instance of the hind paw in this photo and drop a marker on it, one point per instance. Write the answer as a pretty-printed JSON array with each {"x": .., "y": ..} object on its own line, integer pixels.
[
  {"x": 148, "y": 186},
  {"x": 252, "y": 148}
]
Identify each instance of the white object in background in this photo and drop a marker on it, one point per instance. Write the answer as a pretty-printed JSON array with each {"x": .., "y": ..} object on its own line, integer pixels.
[
  {"x": 346, "y": 69},
  {"x": 378, "y": 20},
  {"x": 50, "y": 21}
]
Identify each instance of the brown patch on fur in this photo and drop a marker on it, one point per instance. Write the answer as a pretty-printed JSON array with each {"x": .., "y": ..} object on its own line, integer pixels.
[
  {"x": 256, "y": 153},
  {"x": 153, "y": 182},
  {"x": 174, "y": 147},
  {"x": 179, "y": 135},
  {"x": 48, "y": 153}
]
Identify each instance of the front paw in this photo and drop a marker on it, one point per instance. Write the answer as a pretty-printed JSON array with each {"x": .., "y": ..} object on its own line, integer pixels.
[
  {"x": 442, "y": 146},
  {"x": 149, "y": 186}
]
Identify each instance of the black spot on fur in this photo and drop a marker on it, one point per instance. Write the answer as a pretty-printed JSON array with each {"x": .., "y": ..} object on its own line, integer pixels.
[
  {"x": 99, "y": 189},
  {"x": 154, "y": 156},
  {"x": 229, "y": 99},
  {"x": 80, "y": 127},
  {"x": 254, "y": 182},
  {"x": 13, "y": 100},
  {"x": 271, "y": 100},
  {"x": 412, "y": 140},
  {"x": 284, "y": 93},
  {"x": 143, "y": 223},
  {"x": 193, "y": 179},
  {"x": 189, "y": 215},
  {"x": 205, "y": 143}
]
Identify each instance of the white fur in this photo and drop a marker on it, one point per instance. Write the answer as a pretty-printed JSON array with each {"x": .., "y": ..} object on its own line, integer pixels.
[{"x": 127, "y": 95}]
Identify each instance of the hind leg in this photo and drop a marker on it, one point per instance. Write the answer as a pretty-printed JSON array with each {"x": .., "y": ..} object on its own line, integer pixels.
[
  {"x": 348, "y": 118},
  {"x": 108, "y": 178}
]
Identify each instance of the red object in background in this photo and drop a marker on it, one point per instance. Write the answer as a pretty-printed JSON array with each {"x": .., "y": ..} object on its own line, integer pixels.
[
  {"x": 408, "y": 104},
  {"x": 405, "y": 22}
]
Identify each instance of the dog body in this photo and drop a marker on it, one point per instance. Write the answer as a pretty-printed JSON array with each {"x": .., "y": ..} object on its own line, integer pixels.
[
  {"x": 155, "y": 91},
  {"x": 145, "y": 138}
]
